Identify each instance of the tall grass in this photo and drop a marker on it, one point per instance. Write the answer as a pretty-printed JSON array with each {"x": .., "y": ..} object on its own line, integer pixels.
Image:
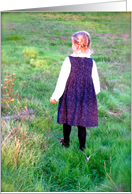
[{"x": 33, "y": 46}]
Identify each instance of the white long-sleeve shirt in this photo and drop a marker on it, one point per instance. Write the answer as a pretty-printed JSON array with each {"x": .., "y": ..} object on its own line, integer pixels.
[{"x": 64, "y": 74}]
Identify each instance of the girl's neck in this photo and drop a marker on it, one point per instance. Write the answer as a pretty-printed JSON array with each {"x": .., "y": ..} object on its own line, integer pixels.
[
  {"x": 88, "y": 55},
  {"x": 82, "y": 52}
]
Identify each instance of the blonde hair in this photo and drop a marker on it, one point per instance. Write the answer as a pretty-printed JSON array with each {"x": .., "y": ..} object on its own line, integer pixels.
[{"x": 83, "y": 39}]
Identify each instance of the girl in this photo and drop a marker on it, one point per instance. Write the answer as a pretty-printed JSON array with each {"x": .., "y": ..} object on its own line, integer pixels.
[{"x": 77, "y": 86}]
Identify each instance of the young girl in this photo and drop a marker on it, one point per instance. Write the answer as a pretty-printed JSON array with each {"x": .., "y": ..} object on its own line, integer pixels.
[{"x": 77, "y": 86}]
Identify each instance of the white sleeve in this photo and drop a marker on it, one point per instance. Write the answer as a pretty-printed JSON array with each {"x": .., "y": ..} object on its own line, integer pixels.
[
  {"x": 95, "y": 77},
  {"x": 62, "y": 79}
]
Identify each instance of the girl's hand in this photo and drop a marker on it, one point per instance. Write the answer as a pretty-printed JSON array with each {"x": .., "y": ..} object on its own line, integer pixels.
[{"x": 52, "y": 100}]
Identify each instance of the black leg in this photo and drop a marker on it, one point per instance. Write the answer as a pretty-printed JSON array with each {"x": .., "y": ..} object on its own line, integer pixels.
[
  {"x": 66, "y": 132},
  {"x": 82, "y": 136}
]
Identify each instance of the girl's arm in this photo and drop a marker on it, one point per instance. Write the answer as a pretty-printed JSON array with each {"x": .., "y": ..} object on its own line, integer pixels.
[
  {"x": 62, "y": 79},
  {"x": 95, "y": 77}
]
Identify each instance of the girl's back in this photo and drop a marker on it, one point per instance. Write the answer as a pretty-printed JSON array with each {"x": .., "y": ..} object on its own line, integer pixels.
[{"x": 80, "y": 76}]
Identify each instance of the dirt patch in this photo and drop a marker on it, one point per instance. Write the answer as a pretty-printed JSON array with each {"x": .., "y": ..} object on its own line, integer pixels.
[
  {"x": 115, "y": 113},
  {"x": 125, "y": 36},
  {"x": 25, "y": 114}
]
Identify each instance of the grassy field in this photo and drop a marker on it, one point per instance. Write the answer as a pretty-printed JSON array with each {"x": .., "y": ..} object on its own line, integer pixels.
[{"x": 33, "y": 47}]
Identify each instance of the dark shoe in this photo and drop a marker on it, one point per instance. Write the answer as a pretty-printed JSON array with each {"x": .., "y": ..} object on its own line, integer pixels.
[{"x": 64, "y": 144}]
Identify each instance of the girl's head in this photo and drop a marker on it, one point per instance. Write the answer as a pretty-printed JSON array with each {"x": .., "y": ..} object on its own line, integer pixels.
[{"x": 81, "y": 42}]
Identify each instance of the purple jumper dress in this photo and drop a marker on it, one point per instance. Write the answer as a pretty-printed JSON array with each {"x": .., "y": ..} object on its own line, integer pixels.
[{"x": 78, "y": 104}]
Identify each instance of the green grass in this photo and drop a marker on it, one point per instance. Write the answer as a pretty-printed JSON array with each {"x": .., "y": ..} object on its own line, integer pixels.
[{"x": 33, "y": 46}]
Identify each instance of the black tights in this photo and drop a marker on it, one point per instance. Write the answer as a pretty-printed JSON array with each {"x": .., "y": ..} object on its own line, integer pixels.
[{"x": 81, "y": 134}]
